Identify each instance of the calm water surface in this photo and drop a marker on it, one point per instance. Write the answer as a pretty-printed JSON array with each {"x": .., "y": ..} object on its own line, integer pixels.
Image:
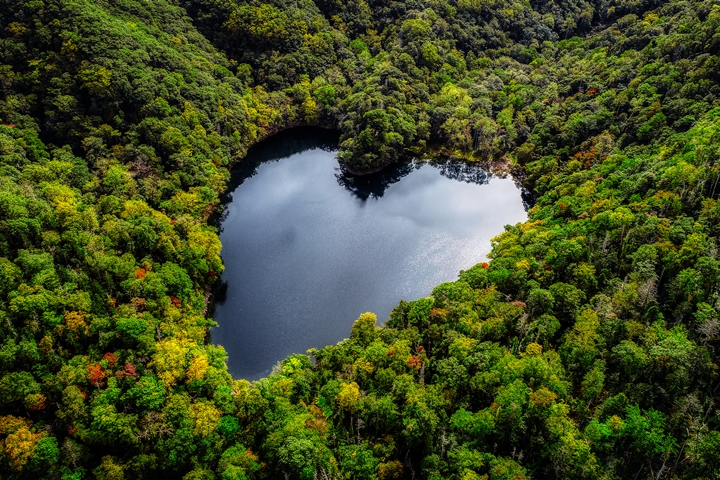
[{"x": 307, "y": 249}]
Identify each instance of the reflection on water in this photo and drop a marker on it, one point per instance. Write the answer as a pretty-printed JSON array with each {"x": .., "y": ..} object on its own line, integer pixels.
[
  {"x": 374, "y": 185},
  {"x": 462, "y": 172},
  {"x": 308, "y": 248}
]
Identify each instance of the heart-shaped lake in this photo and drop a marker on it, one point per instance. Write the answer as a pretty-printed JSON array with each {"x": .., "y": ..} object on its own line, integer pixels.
[{"x": 307, "y": 248}]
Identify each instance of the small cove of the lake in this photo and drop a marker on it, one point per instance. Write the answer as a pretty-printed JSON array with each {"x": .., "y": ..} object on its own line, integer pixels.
[{"x": 307, "y": 248}]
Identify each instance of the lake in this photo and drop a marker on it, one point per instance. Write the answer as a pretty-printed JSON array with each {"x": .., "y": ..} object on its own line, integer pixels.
[{"x": 308, "y": 248}]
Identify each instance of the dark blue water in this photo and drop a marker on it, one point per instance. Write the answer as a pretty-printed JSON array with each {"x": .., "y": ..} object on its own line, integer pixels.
[{"x": 307, "y": 248}]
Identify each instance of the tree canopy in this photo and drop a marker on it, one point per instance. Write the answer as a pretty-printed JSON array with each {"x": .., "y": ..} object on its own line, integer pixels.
[{"x": 587, "y": 347}]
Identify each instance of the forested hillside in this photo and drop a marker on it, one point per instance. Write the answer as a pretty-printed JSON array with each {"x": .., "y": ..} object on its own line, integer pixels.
[{"x": 586, "y": 348}]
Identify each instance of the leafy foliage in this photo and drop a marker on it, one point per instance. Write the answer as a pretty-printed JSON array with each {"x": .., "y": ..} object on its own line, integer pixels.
[{"x": 586, "y": 347}]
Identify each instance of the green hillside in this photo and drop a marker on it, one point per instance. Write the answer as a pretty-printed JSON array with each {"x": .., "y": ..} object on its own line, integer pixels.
[{"x": 586, "y": 348}]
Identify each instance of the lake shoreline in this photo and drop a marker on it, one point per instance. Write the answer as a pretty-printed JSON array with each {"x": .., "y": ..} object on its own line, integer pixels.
[{"x": 307, "y": 247}]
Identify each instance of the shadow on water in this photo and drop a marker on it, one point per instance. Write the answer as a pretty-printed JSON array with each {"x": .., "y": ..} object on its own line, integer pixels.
[
  {"x": 462, "y": 172},
  {"x": 375, "y": 184},
  {"x": 219, "y": 296}
]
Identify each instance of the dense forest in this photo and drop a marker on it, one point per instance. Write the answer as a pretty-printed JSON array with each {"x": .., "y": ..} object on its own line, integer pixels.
[{"x": 587, "y": 347}]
